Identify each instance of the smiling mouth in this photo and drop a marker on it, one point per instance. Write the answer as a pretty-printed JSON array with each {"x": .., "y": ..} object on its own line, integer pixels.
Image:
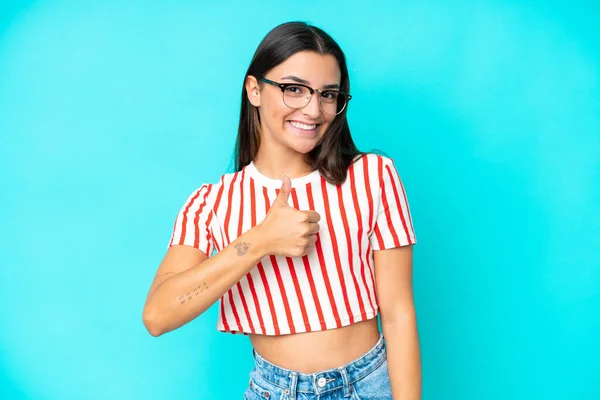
[{"x": 304, "y": 127}]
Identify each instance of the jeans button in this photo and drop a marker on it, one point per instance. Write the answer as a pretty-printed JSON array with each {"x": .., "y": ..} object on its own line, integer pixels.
[{"x": 321, "y": 382}]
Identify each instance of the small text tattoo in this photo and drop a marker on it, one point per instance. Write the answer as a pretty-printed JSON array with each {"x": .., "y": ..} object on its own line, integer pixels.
[
  {"x": 242, "y": 248},
  {"x": 192, "y": 293}
]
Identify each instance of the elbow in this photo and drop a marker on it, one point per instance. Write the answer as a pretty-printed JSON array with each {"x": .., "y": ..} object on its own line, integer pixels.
[
  {"x": 399, "y": 318},
  {"x": 152, "y": 322}
]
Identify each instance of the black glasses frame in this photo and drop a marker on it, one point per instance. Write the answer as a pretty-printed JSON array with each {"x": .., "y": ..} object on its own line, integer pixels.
[{"x": 284, "y": 86}]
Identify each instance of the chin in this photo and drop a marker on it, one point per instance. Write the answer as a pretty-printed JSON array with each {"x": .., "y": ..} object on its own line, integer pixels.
[{"x": 303, "y": 148}]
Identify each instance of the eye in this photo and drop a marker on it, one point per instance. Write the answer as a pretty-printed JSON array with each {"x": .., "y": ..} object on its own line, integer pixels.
[
  {"x": 331, "y": 95},
  {"x": 294, "y": 89}
]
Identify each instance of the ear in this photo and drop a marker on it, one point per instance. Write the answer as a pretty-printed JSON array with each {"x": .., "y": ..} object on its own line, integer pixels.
[{"x": 253, "y": 90}]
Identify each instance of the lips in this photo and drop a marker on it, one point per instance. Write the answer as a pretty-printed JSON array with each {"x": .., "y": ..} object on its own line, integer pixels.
[
  {"x": 303, "y": 126},
  {"x": 302, "y": 129}
]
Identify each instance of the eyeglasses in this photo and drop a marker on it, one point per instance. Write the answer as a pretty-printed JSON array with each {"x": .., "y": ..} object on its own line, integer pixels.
[{"x": 296, "y": 95}]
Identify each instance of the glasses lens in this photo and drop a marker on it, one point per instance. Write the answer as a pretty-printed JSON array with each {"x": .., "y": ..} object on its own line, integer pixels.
[
  {"x": 296, "y": 96},
  {"x": 332, "y": 101}
]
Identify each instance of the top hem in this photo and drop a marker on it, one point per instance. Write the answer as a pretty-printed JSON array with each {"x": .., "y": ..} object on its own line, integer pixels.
[{"x": 303, "y": 328}]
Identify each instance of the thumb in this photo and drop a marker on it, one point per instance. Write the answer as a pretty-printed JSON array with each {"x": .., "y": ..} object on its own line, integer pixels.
[{"x": 284, "y": 192}]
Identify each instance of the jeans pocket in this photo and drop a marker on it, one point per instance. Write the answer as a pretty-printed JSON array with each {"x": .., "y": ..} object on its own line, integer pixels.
[
  {"x": 374, "y": 386},
  {"x": 255, "y": 392}
]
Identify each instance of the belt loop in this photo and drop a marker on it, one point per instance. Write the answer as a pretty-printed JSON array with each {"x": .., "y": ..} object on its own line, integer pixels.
[
  {"x": 293, "y": 385},
  {"x": 346, "y": 380}
]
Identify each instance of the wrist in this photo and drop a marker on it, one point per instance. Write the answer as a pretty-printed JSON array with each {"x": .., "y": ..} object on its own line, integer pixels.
[{"x": 257, "y": 245}]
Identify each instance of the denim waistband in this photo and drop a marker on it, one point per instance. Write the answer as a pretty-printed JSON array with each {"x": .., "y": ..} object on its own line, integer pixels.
[{"x": 324, "y": 381}]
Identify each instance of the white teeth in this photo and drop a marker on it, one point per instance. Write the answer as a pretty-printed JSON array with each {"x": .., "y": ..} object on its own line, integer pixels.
[{"x": 300, "y": 125}]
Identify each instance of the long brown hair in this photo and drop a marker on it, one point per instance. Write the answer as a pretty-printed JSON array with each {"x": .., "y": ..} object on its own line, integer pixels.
[{"x": 335, "y": 152}]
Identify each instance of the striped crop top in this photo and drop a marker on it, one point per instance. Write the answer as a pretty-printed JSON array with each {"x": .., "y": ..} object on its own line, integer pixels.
[{"x": 330, "y": 287}]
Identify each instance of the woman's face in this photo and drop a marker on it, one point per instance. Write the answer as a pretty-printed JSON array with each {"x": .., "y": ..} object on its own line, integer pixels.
[{"x": 297, "y": 129}]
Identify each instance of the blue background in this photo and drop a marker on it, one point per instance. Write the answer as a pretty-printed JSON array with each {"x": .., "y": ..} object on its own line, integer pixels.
[{"x": 111, "y": 113}]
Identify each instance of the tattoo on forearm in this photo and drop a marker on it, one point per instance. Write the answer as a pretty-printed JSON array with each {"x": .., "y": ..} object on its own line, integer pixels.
[
  {"x": 242, "y": 248},
  {"x": 192, "y": 293}
]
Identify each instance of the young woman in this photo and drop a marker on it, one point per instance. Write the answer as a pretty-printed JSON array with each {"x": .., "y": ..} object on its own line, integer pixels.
[{"x": 304, "y": 244}]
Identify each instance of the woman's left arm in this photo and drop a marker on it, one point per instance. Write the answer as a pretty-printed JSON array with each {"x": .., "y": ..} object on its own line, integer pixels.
[{"x": 393, "y": 277}]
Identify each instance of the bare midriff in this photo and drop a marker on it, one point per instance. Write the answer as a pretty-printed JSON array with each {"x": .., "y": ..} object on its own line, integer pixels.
[{"x": 312, "y": 352}]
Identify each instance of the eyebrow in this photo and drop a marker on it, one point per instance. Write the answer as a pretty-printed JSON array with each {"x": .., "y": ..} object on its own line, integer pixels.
[{"x": 305, "y": 82}]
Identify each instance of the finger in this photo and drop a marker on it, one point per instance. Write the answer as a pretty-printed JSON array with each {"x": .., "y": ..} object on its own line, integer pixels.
[
  {"x": 284, "y": 192},
  {"x": 313, "y": 216},
  {"x": 313, "y": 228},
  {"x": 312, "y": 239}
]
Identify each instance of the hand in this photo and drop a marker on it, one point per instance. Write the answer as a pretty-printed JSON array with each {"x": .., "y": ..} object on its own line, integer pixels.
[{"x": 289, "y": 232}]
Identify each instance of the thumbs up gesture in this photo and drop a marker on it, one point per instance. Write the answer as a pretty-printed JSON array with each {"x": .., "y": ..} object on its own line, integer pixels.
[{"x": 289, "y": 232}]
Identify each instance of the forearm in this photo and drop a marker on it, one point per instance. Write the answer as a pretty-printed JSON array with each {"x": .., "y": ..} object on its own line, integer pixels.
[
  {"x": 186, "y": 295},
  {"x": 404, "y": 357}
]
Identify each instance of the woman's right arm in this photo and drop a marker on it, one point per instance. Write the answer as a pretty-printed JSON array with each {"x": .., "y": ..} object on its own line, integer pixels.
[{"x": 188, "y": 282}]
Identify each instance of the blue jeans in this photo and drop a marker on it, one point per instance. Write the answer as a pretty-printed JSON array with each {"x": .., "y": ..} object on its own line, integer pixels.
[{"x": 365, "y": 378}]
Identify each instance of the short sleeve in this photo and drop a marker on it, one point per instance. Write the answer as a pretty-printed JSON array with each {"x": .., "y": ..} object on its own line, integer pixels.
[
  {"x": 192, "y": 226},
  {"x": 393, "y": 224}
]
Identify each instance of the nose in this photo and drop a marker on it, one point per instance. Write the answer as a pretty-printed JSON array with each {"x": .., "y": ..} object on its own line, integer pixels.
[{"x": 313, "y": 108}]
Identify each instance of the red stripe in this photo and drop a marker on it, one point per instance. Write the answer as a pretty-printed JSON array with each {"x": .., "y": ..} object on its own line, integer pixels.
[
  {"x": 263, "y": 277},
  {"x": 173, "y": 235},
  {"x": 225, "y": 324},
  {"x": 369, "y": 194},
  {"x": 371, "y": 222},
  {"x": 208, "y": 252},
  {"x": 241, "y": 216},
  {"x": 323, "y": 265},
  {"x": 215, "y": 210},
  {"x": 259, "y": 266},
  {"x": 369, "y": 258},
  {"x": 208, "y": 220},
  {"x": 360, "y": 232},
  {"x": 234, "y": 309},
  {"x": 292, "y": 268},
  {"x": 380, "y": 175},
  {"x": 265, "y": 282},
  {"x": 307, "y": 267},
  {"x": 197, "y": 218},
  {"x": 386, "y": 207},
  {"x": 379, "y": 237},
  {"x": 286, "y": 303},
  {"x": 229, "y": 206},
  {"x": 226, "y": 228},
  {"x": 248, "y": 277},
  {"x": 185, "y": 212},
  {"x": 336, "y": 250},
  {"x": 397, "y": 198},
  {"x": 252, "y": 203},
  {"x": 361, "y": 304},
  {"x": 209, "y": 238},
  {"x": 367, "y": 180},
  {"x": 246, "y": 310}
]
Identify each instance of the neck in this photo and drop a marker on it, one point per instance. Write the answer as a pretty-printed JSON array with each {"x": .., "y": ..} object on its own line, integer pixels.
[{"x": 273, "y": 162}]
